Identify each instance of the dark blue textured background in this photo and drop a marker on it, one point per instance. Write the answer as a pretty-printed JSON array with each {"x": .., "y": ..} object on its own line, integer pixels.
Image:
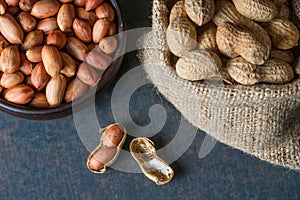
[{"x": 46, "y": 159}]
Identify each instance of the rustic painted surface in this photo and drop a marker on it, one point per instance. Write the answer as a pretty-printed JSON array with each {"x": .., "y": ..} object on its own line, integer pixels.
[{"x": 46, "y": 159}]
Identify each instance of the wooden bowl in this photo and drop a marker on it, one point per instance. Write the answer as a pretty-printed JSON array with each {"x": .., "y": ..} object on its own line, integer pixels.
[{"x": 65, "y": 109}]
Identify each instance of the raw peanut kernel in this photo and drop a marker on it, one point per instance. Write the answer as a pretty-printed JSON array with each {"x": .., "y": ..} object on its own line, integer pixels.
[{"x": 112, "y": 135}]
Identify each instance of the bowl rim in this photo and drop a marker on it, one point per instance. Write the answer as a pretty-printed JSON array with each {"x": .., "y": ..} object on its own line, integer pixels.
[{"x": 65, "y": 109}]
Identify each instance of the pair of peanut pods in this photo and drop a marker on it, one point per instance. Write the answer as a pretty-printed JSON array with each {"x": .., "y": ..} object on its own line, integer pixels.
[{"x": 142, "y": 150}]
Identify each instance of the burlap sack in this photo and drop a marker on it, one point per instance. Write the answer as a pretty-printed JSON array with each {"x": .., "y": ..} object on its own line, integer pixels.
[{"x": 261, "y": 120}]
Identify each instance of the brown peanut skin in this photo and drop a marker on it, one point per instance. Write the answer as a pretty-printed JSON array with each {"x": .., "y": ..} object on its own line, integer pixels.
[
  {"x": 55, "y": 90},
  {"x": 3, "y": 43},
  {"x": 39, "y": 77},
  {"x": 26, "y": 5},
  {"x": 26, "y": 66},
  {"x": 112, "y": 136},
  {"x": 76, "y": 48},
  {"x": 57, "y": 38},
  {"x": 27, "y": 22},
  {"x": 39, "y": 100},
  {"x": 68, "y": 65},
  {"x": 92, "y": 4},
  {"x": 45, "y": 8},
  {"x": 10, "y": 60},
  {"x": 34, "y": 54},
  {"x": 19, "y": 94},
  {"x": 51, "y": 59},
  {"x": 100, "y": 30},
  {"x": 3, "y": 7},
  {"x": 65, "y": 16},
  {"x": 101, "y": 157},
  {"x": 32, "y": 39},
  {"x": 87, "y": 74},
  {"x": 98, "y": 59},
  {"x": 75, "y": 89},
  {"x": 47, "y": 25},
  {"x": 82, "y": 30},
  {"x": 105, "y": 11},
  {"x": 108, "y": 44},
  {"x": 12, "y": 31},
  {"x": 11, "y": 79}
]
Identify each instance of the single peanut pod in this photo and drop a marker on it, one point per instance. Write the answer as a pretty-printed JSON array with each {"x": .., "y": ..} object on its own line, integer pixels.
[
  {"x": 92, "y": 4},
  {"x": 87, "y": 74},
  {"x": 88, "y": 16},
  {"x": 226, "y": 12},
  {"x": 79, "y": 3},
  {"x": 55, "y": 90},
  {"x": 207, "y": 37},
  {"x": 246, "y": 43},
  {"x": 51, "y": 59},
  {"x": 57, "y": 38},
  {"x": 100, "y": 158},
  {"x": 257, "y": 10},
  {"x": 26, "y": 5},
  {"x": 198, "y": 65},
  {"x": 157, "y": 170},
  {"x": 100, "y": 30},
  {"x": 12, "y": 2},
  {"x": 39, "y": 100},
  {"x": 98, "y": 59},
  {"x": 26, "y": 66},
  {"x": 45, "y": 8},
  {"x": 284, "y": 55},
  {"x": 105, "y": 11},
  {"x": 11, "y": 79},
  {"x": 12, "y": 31},
  {"x": 112, "y": 135},
  {"x": 112, "y": 139},
  {"x": 27, "y": 22},
  {"x": 200, "y": 11},
  {"x": 272, "y": 71},
  {"x": 3, "y": 43},
  {"x": 19, "y": 94},
  {"x": 75, "y": 89},
  {"x": 178, "y": 10},
  {"x": 39, "y": 77},
  {"x": 76, "y": 48},
  {"x": 283, "y": 33},
  {"x": 47, "y": 25},
  {"x": 112, "y": 29},
  {"x": 32, "y": 39},
  {"x": 181, "y": 36},
  {"x": 34, "y": 54},
  {"x": 68, "y": 65},
  {"x": 108, "y": 44},
  {"x": 65, "y": 16},
  {"x": 10, "y": 60},
  {"x": 3, "y": 7},
  {"x": 82, "y": 30}
]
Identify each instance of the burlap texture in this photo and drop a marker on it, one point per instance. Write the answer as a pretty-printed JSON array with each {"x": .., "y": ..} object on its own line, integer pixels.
[{"x": 261, "y": 120}]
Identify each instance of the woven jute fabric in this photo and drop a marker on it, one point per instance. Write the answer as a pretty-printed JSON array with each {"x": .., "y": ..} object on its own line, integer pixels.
[{"x": 261, "y": 120}]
